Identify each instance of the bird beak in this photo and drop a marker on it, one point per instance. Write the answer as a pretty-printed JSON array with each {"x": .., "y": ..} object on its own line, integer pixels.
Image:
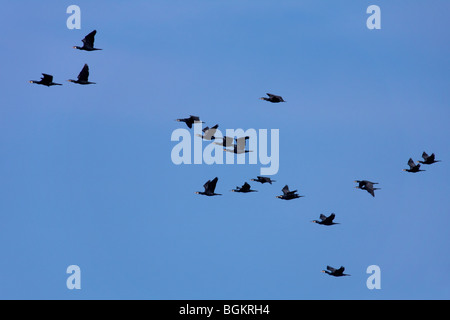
[{"x": 30, "y": 81}]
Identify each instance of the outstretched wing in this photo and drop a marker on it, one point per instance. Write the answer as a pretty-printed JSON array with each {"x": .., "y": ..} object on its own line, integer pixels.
[
  {"x": 323, "y": 217},
  {"x": 431, "y": 158},
  {"x": 331, "y": 269},
  {"x": 330, "y": 218},
  {"x": 47, "y": 78},
  {"x": 340, "y": 271},
  {"x": 84, "y": 74},
  {"x": 89, "y": 39},
  {"x": 212, "y": 184},
  {"x": 411, "y": 163},
  {"x": 206, "y": 185},
  {"x": 285, "y": 190},
  {"x": 227, "y": 141},
  {"x": 209, "y": 133},
  {"x": 425, "y": 156}
]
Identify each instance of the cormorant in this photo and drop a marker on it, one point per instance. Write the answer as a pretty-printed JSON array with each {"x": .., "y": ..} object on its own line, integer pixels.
[
  {"x": 244, "y": 189},
  {"x": 46, "y": 80},
  {"x": 190, "y": 121},
  {"x": 83, "y": 76},
  {"x": 335, "y": 272},
  {"x": 413, "y": 167},
  {"x": 88, "y": 42},
  {"x": 288, "y": 195},
  {"x": 428, "y": 159},
  {"x": 273, "y": 98},
  {"x": 208, "y": 133},
  {"x": 367, "y": 185},
  {"x": 209, "y": 186},
  {"x": 263, "y": 180},
  {"x": 326, "y": 221}
]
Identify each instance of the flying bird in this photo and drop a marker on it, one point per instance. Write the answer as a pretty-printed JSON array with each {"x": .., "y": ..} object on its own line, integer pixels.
[
  {"x": 326, "y": 221},
  {"x": 367, "y": 185},
  {"x": 428, "y": 159},
  {"x": 335, "y": 272},
  {"x": 244, "y": 189},
  {"x": 208, "y": 133},
  {"x": 288, "y": 195},
  {"x": 263, "y": 180},
  {"x": 88, "y": 42},
  {"x": 83, "y": 76},
  {"x": 210, "y": 187},
  {"x": 46, "y": 80},
  {"x": 273, "y": 98},
  {"x": 190, "y": 121},
  {"x": 413, "y": 167}
]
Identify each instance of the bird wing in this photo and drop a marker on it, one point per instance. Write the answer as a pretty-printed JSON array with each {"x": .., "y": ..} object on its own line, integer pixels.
[
  {"x": 411, "y": 163},
  {"x": 285, "y": 190},
  {"x": 245, "y": 187},
  {"x": 272, "y": 95},
  {"x": 194, "y": 118},
  {"x": 47, "y": 77},
  {"x": 209, "y": 133},
  {"x": 323, "y": 217},
  {"x": 206, "y": 185},
  {"x": 340, "y": 270},
  {"x": 424, "y": 155},
  {"x": 369, "y": 189},
  {"x": 89, "y": 39},
  {"x": 431, "y": 158},
  {"x": 331, "y": 269},
  {"x": 212, "y": 184},
  {"x": 227, "y": 141},
  {"x": 241, "y": 143},
  {"x": 330, "y": 218},
  {"x": 84, "y": 74}
]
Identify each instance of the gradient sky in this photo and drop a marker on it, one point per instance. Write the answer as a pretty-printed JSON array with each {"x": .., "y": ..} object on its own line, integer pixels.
[{"x": 86, "y": 176}]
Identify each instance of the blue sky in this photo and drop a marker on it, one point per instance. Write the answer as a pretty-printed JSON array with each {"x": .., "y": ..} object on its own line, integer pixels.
[{"x": 87, "y": 179}]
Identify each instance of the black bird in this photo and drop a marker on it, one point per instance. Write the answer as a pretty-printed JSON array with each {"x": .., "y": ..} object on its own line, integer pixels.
[
  {"x": 335, "y": 272},
  {"x": 46, "y": 80},
  {"x": 428, "y": 159},
  {"x": 413, "y": 167},
  {"x": 273, "y": 98},
  {"x": 244, "y": 189},
  {"x": 209, "y": 186},
  {"x": 83, "y": 76},
  {"x": 88, "y": 42},
  {"x": 367, "y": 185},
  {"x": 288, "y": 195},
  {"x": 263, "y": 180},
  {"x": 208, "y": 133},
  {"x": 326, "y": 221},
  {"x": 190, "y": 121}
]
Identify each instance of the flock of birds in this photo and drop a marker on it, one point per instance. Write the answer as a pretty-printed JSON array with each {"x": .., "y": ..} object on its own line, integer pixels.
[
  {"x": 83, "y": 76},
  {"x": 238, "y": 146}
]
